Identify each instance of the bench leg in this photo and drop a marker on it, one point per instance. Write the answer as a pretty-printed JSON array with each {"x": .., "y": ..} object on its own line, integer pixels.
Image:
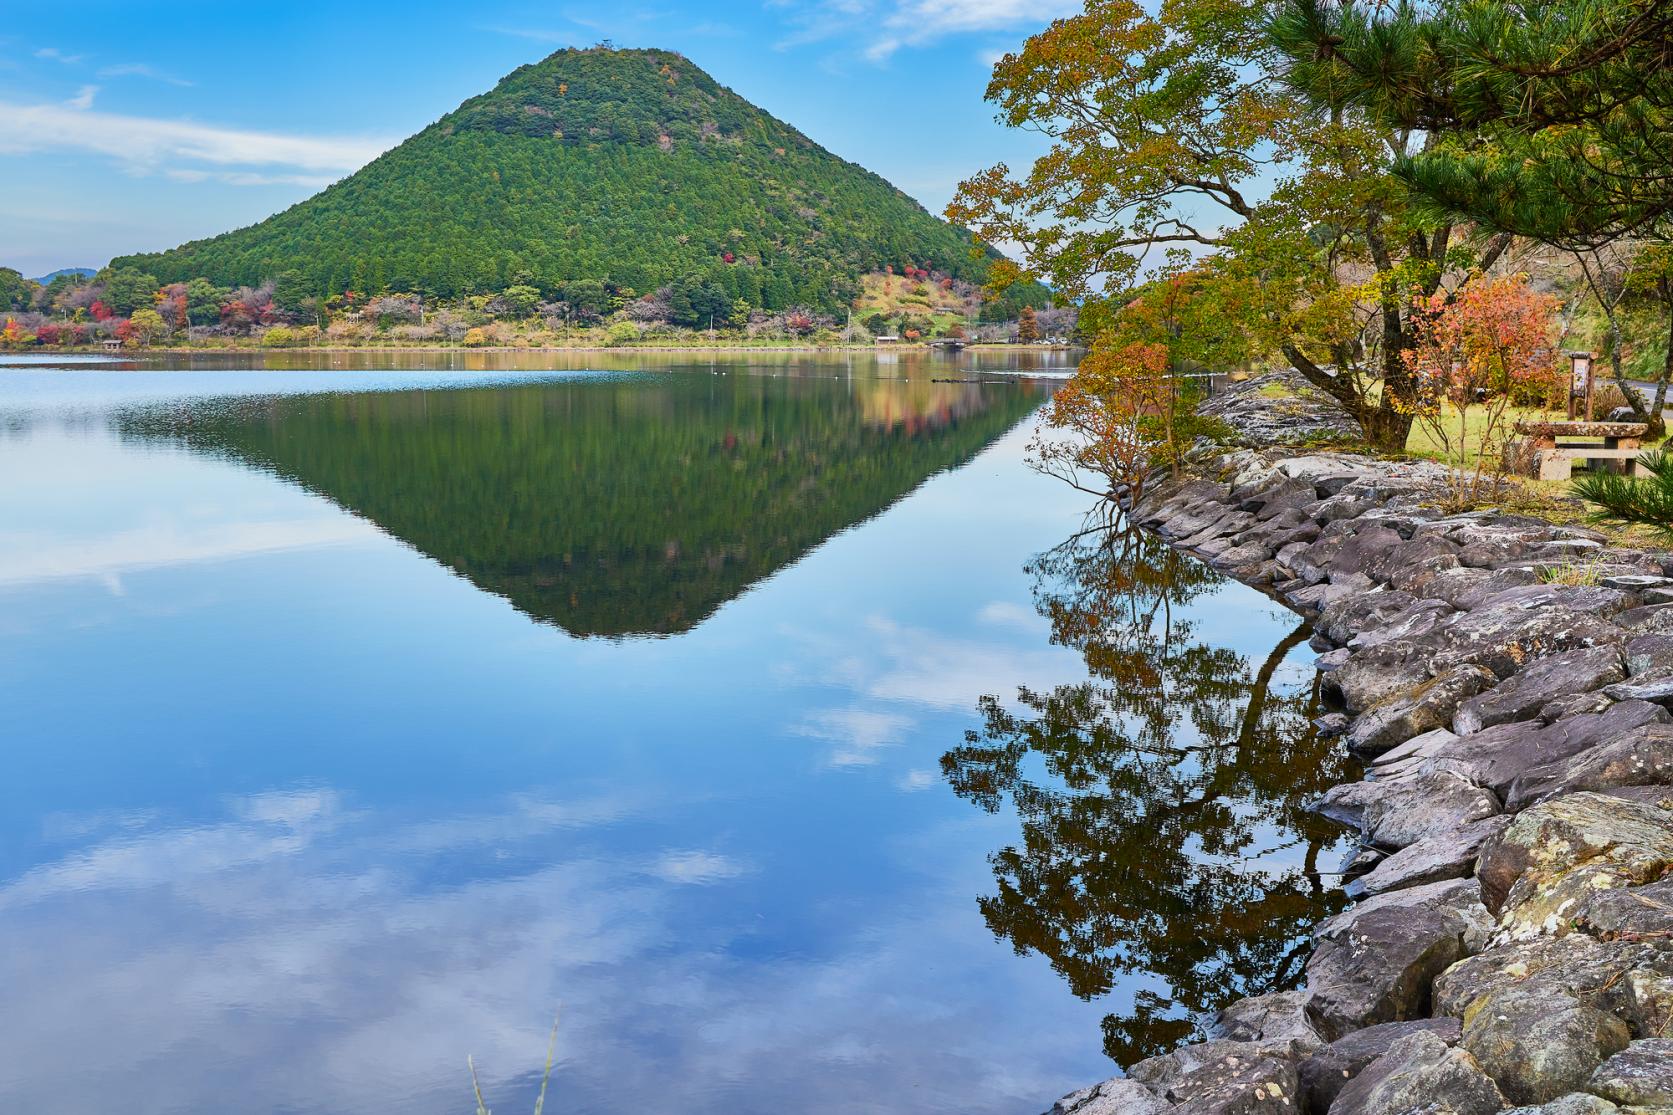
[{"x": 1553, "y": 467}]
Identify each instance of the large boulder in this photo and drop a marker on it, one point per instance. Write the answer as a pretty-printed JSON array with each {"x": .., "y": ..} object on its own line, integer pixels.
[
  {"x": 1538, "y": 1043},
  {"x": 1396, "y": 813},
  {"x": 1642, "y": 757},
  {"x": 1280, "y": 1016},
  {"x": 1379, "y": 967},
  {"x": 1347, "y": 617},
  {"x": 1423, "y": 709},
  {"x": 1444, "y": 855},
  {"x": 1113, "y": 1097},
  {"x": 1575, "y": 1103},
  {"x": 1640, "y": 1075},
  {"x": 1378, "y": 672},
  {"x": 1521, "y": 696},
  {"x": 1508, "y": 632},
  {"x": 1575, "y": 966},
  {"x": 1224, "y": 1078},
  {"x": 1649, "y": 656},
  {"x": 1495, "y": 757},
  {"x": 1324, "y": 1074},
  {"x": 1539, "y": 873},
  {"x": 1420, "y": 1073}
]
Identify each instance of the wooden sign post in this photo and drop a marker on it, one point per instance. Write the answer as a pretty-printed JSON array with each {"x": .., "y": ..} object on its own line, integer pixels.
[{"x": 1580, "y": 383}]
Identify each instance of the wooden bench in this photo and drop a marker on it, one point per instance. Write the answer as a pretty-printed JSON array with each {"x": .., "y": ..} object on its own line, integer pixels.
[{"x": 1554, "y": 459}]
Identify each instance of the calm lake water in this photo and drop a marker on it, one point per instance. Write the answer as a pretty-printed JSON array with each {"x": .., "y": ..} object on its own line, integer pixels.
[{"x": 765, "y": 714}]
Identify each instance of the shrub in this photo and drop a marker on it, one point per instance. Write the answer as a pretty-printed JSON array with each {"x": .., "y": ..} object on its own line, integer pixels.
[
  {"x": 475, "y": 337},
  {"x": 621, "y": 333},
  {"x": 279, "y": 336}
]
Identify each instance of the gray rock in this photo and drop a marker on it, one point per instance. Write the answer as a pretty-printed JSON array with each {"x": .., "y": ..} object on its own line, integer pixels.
[
  {"x": 1459, "y": 896},
  {"x": 1414, "y": 749},
  {"x": 1113, "y": 1097},
  {"x": 1575, "y": 1103},
  {"x": 1582, "y": 968},
  {"x": 1396, "y": 813},
  {"x": 1650, "y": 619},
  {"x": 1521, "y": 696},
  {"x": 1575, "y": 704},
  {"x": 1408, "y": 561},
  {"x": 1642, "y": 757},
  {"x": 1538, "y": 874},
  {"x": 1445, "y": 855},
  {"x": 1429, "y": 706},
  {"x": 1496, "y": 757},
  {"x": 1656, "y": 690},
  {"x": 1323, "y": 1075},
  {"x": 1362, "y": 548},
  {"x": 1409, "y": 625},
  {"x": 1419, "y": 1074},
  {"x": 1185, "y": 1073},
  {"x": 1640, "y": 1075},
  {"x": 1537, "y": 1043},
  {"x": 1650, "y": 655},
  {"x": 1380, "y": 968},
  {"x": 1280, "y": 1016},
  {"x": 1377, "y": 673},
  {"x": 1331, "y": 724},
  {"x": 1506, "y": 636},
  {"x": 1347, "y": 617}
]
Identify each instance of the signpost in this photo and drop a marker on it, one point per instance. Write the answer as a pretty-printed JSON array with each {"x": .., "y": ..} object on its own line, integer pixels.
[{"x": 1580, "y": 383}]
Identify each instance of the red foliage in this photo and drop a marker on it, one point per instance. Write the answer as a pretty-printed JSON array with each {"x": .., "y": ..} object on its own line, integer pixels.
[
  {"x": 728, "y": 257},
  {"x": 100, "y": 311},
  {"x": 50, "y": 333},
  {"x": 124, "y": 330}
]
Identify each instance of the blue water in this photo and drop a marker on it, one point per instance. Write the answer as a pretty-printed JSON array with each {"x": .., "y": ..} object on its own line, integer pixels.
[{"x": 298, "y": 811}]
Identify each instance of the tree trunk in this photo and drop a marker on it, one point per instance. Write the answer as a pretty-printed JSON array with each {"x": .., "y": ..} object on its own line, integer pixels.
[{"x": 1386, "y": 429}]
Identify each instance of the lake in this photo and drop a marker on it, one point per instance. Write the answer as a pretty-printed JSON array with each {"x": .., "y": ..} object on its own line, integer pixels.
[{"x": 764, "y": 718}]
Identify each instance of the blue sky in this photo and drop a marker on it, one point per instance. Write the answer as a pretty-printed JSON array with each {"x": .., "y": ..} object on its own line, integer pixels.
[{"x": 138, "y": 126}]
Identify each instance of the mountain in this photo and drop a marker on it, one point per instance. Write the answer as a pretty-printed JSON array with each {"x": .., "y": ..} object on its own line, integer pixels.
[
  {"x": 77, "y": 272},
  {"x": 609, "y": 508},
  {"x": 632, "y": 167}
]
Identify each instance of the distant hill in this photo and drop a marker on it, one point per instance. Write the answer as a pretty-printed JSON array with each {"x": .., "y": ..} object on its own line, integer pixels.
[
  {"x": 631, "y": 167},
  {"x": 77, "y": 272}
]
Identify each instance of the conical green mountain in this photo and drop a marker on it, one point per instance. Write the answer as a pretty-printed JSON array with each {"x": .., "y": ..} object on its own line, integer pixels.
[{"x": 630, "y": 167}]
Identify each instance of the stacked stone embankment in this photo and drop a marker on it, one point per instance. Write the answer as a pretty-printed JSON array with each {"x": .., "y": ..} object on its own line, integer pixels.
[{"x": 1508, "y": 683}]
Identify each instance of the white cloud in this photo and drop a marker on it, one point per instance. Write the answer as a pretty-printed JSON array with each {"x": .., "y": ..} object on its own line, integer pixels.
[
  {"x": 859, "y": 733},
  {"x": 84, "y": 97},
  {"x": 696, "y": 868},
  {"x": 27, "y": 558},
  {"x": 53, "y": 54},
  {"x": 140, "y": 69},
  {"x": 889, "y": 25},
  {"x": 145, "y": 143}
]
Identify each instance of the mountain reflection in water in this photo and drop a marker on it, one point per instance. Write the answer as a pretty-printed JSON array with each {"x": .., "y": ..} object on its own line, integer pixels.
[
  {"x": 1160, "y": 801},
  {"x": 601, "y": 507}
]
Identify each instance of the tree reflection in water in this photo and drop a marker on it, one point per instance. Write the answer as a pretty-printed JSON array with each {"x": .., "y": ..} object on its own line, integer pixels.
[{"x": 1163, "y": 831}]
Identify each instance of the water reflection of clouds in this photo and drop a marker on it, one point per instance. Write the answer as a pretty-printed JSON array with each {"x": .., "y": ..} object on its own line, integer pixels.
[
  {"x": 358, "y": 983},
  {"x": 27, "y": 559}
]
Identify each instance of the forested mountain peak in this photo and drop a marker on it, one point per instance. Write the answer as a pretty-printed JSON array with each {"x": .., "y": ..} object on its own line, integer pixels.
[
  {"x": 632, "y": 169},
  {"x": 602, "y": 94}
]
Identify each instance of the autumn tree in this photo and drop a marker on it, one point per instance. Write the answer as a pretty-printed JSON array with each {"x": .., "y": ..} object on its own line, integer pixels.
[
  {"x": 1165, "y": 131},
  {"x": 1475, "y": 348},
  {"x": 1028, "y": 329},
  {"x": 146, "y": 325}
]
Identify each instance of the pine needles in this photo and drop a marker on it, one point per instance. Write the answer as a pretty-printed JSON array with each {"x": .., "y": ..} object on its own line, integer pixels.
[{"x": 1647, "y": 500}]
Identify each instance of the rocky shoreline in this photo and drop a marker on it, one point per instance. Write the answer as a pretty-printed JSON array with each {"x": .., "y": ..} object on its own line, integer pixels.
[{"x": 1508, "y": 683}]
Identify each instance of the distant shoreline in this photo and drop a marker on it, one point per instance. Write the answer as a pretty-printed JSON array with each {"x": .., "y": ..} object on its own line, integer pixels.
[{"x": 221, "y": 350}]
